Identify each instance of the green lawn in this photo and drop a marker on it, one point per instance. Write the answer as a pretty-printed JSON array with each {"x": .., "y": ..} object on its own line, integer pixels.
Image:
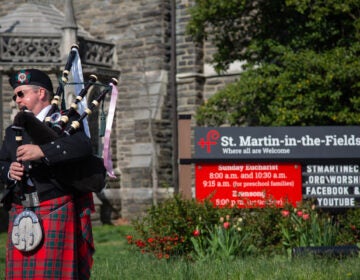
[{"x": 115, "y": 260}]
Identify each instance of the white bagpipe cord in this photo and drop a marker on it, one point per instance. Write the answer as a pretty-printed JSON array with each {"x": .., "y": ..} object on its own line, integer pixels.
[
  {"x": 77, "y": 73},
  {"x": 109, "y": 121}
]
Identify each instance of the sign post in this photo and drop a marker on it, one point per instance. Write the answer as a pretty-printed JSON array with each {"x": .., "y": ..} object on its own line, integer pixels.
[{"x": 185, "y": 167}]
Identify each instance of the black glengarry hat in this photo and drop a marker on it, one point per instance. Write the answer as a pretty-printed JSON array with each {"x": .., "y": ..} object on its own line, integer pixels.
[{"x": 31, "y": 77}]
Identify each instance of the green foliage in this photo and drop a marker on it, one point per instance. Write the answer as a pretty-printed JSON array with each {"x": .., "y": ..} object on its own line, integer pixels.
[
  {"x": 305, "y": 226},
  {"x": 200, "y": 231},
  {"x": 224, "y": 240},
  {"x": 3, "y": 242},
  {"x": 302, "y": 61},
  {"x": 167, "y": 228},
  {"x": 263, "y": 223},
  {"x": 349, "y": 226},
  {"x": 114, "y": 260},
  {"x": 252, "y": 30},
  {"x": 306, "y": 88}
]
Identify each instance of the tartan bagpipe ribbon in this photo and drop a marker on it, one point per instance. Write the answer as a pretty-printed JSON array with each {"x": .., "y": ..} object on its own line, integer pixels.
[{"x": 77, "y": 74}]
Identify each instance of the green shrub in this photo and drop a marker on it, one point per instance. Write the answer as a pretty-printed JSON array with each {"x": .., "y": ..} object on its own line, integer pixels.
[
  {"x": 263, "y": 223},
  {"x": 349, "y": 222},
  {"x": 175, "y": 219},
  {"x": 200, "y": 231},
  {"x": 224, "y": 240},
  {"x": 306, "y": 226}
]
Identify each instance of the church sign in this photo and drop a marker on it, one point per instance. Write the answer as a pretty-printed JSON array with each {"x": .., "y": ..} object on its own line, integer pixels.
[{"x": 248, "y": 166}]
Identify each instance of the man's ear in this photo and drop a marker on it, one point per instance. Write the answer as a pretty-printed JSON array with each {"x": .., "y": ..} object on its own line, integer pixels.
[{"x": 43, "y": 95}]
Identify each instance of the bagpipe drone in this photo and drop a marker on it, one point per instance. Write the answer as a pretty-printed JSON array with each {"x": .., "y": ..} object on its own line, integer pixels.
[{"x": 91, "y": 172}]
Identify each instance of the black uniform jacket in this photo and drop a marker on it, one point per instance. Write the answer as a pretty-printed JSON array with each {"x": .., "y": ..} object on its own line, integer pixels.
[{"x": 49, "y": 174}]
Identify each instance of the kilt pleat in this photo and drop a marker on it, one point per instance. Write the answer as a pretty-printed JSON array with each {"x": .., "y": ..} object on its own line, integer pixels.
[
  {"x": 84, "y": 207},
  {"x": 58, "y": 256}
]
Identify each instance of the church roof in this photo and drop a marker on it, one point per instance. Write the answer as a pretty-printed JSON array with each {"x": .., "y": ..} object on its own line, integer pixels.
[{"x": 36, "y": 18}]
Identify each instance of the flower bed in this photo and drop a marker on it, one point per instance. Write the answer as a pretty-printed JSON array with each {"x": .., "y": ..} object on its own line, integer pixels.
[{"x": 198, "y": 230}]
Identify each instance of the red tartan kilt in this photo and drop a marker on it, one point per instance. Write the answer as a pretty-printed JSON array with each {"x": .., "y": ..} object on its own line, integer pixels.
[{"x": 63, "y": 245}]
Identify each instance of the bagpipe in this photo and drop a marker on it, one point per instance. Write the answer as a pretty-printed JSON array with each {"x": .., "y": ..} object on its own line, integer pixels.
[{"x": 90, "y": 172}]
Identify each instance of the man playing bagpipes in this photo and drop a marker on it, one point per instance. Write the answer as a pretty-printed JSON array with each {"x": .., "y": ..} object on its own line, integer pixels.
[{"x": 50, "y": 232}]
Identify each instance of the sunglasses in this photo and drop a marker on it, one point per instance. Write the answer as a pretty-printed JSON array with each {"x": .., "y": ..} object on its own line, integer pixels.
[{"x": 21, "y": 94}]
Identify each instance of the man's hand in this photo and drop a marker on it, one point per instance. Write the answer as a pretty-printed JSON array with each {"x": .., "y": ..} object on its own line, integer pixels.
[
  {"x": 16, "y": 171},
  {"x": 29, "y": 152}
]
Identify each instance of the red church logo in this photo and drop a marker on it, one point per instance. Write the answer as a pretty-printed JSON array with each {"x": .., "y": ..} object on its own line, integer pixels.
[{"x": 211, "y": 139}]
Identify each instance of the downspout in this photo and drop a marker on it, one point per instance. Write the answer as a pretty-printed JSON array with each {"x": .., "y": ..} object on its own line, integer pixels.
[{"x": 174, "y": 104}]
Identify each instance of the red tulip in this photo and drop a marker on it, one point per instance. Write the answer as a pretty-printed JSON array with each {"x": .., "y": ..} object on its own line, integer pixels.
[
  {"x": 285, "y": 213},
  {"x": 226, "y": 225},
  {"x": 306, "y": 216}
]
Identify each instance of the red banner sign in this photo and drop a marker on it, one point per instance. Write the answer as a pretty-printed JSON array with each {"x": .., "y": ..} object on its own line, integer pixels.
[{"x": 249, "y": 184}]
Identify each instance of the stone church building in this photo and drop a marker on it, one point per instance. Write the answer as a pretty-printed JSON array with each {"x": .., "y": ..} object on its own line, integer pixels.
[{"x": 162, "y": 75}]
